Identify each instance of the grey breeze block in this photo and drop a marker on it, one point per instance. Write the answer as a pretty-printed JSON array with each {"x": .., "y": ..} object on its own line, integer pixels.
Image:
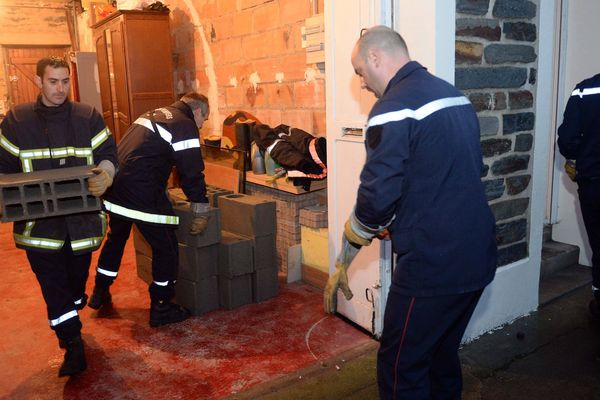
[
  {"x": 247, "y": 215},
  {"x": 235, "y": 292},
  {"x": 235, "y": 255},
  {"x": 265, "y": 284},
  {"x": 48, "y": 193},
  {"x": 212, "y": 234},
  {"x": 199, "y": 297},
  {"x": 198, "y": 263}
]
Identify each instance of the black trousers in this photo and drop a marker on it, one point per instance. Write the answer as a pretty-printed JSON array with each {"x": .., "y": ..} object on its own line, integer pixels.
[
  {"x": 165, "y": 255},
  {"x": 589, "y": 200},
  {"x": 62, "y": 276},
  {"x": 418, "y": 354}
]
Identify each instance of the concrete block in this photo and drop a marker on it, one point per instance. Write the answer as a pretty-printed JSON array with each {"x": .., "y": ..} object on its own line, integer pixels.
[
  {"x": 265, "y": 284},
  {"x": 212, "y": 234},
  {"x": 294, "y": 263},
  {"x": 199, "y": 297},
  {"x": 247, "y": 215},
  {"x": 140, "y": 244},
  {"x": 198, "y": 263},
  {"x": 235, "y": 255},
  {"x": 48, "y": 193},
  {"x": 265, "y": 252},
  {"x": 144, "y": 267},
  {"x": 215, "y": 194},
  {"x": 235, "y": 292}
]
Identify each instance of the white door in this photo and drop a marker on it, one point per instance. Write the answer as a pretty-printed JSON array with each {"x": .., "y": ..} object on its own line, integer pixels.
[
  {"x": 347, "y": 110},
  {"x": 580, "y": 32}
]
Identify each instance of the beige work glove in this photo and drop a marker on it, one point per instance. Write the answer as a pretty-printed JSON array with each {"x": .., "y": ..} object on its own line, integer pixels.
[
  {"x": 570, "y": 169},
  {"x": 200, "y": 220},
  {"x": 339, "y": 279},
  {"x": 353, "y": 237},
  {"x": 98, "y": 183}
]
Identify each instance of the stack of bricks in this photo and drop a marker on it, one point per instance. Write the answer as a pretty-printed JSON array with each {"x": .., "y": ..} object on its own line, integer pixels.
[
  {"x": 47, "y": 193},
  {"x": 315, "y": 245},
  {"x": 228, "y": 268},
  {"x": 253, "y": 219}
]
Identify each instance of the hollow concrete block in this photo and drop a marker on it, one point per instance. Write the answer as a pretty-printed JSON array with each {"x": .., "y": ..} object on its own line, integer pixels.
[
  {"x": 247, "y": 215},
  {"x": 212, "y": 234},
  {"x": 235, "y": 255},
  {"x": 265, "y": 284},
  {"x": 198, "y": 263},
  {"x": 200, "y": 296},
  {"x": 235, "y": 292}
]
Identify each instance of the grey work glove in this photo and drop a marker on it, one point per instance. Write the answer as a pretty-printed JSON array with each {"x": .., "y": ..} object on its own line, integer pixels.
[
  {"x": 201, "y": 218},
  {"x": 98, "y": 183},
  {"x": 339, "y": 279}
]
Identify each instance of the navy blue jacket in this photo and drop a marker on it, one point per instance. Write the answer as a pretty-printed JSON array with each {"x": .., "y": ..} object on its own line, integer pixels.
[
  {"x": 146, "y": 159},
  {"x": 424, "y": 167},
  {"x": 579, "y": 133}
]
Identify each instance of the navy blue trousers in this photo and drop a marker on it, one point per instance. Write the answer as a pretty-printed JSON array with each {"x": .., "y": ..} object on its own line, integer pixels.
[
  {"x": 418, "y": 355},
  {"x": 62, "y": 276},
  {"x": 165, "y": 255},
  {"x": 589, "y": 200}
]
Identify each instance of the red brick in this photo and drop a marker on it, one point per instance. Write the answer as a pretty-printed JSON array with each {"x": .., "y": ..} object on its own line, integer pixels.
[
  {"x": 294, "y": 10},
  {"x": 320, "y": 123},
  {"x": 279, "y": 95},
  {"x": 230, "y": 51},
  {"x": 298, "y": 119},
  {"x": 309, "y": 94},
  {"x": 244, "y": 4},
  {"x": 266, "y": 17},
  {"x": 235, "y": 96},
  {"x": 223, "y": 28},
  {"x": 294, "y": 66},
  {"x": 242, "y": 23},
  {"x": 226, "y": 6},
  {"x": 269, "y": 116}
]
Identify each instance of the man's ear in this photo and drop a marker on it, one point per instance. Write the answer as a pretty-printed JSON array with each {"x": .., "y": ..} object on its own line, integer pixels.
[
  {"x": 38, "y": 81},
  {"x": 374, "y": 57}
]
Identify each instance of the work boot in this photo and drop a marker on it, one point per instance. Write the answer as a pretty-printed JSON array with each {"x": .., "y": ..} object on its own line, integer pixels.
[
  {"x": 595, "y": 309},
  {"x": 100, "y": 297},
  {"x": 165, "y": 312},
  {"x": 74, "y": 362}
]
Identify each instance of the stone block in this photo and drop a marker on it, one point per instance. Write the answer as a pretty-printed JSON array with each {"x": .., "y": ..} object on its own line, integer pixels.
[
  {"x": 489, "y": 77},
  {"x": 212, "y": 234},
  {"x": 198, "y": 263},
  {"x": 511, "y": 232},
  {"x": 509, "y": 208},
  {"x": 235, "y": 255},
  {"x": 264, "y": 252},
  {"x": 247, "y": 215},
  {"x": 524, "y": 9},
  {"x": 200, "y": 296},
  {"x": 314, "y": 216},
  {"x": 48, "y": 193},
  {"x": 509, "y": 53},
  {"x": 235, "y": 292},
  {"x": 265, "y": 284},
  {"x": 510, "y": 164},
  {"x": 144, "y": 267}
]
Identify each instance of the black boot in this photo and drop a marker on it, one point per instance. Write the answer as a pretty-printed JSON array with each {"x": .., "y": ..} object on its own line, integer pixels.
[
  {"x": 74, "y": 362},
  {"x": 100, "y": 297},
  {"x": 165, "y": 312}
]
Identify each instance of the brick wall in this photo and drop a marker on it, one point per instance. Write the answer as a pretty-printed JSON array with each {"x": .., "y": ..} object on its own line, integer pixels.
[
  {"x": 496, "y": 61},
  {"x": 247, "y": 55}
]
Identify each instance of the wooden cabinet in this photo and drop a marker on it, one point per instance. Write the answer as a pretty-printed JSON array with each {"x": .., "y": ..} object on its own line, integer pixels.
[{"x": 134, "y": 65}]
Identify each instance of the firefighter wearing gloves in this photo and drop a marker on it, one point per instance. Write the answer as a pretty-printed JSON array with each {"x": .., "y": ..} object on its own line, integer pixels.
[
  {"x": 155, "y": 143},
  {"x": 422, "y": 177},
  {"x": 49, "y": 134},
  {"x": 579, "y": 143}
]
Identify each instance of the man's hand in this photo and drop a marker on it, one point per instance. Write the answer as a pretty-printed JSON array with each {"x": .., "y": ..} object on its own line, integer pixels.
[
  {"x": 98, "y": 183},
  {"x": 199, "y": 224},
  {"x": 570, "y": 169},
  {"x": 339, "y": 279}
]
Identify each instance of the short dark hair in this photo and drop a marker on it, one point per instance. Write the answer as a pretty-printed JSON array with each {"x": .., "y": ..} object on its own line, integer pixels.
[
  {"x": 52, "y": 61},
  {"x": 196, "y": 101}
]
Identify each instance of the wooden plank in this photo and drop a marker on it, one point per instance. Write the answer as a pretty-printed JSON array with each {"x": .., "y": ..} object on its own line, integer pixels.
[
  {"x": 314, "y": 276},
  {"x": 222, "y": 176}
]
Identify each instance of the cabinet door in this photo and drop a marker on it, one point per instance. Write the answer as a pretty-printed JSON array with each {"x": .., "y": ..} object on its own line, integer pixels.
[
  {"x": 104, "y": 79},
  {"x": 121, "y": 88}
]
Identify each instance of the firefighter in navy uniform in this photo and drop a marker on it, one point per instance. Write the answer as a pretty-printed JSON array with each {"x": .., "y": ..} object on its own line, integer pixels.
[
  {"x": 152, "y": 146},
  {"x": 579, "y": 143},
  {"x": 49, "y": 134},
  {"x": 421, "y": 183}
]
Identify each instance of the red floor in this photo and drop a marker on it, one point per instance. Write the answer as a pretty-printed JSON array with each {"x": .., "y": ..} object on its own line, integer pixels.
[{"x": 207, "y": 357}]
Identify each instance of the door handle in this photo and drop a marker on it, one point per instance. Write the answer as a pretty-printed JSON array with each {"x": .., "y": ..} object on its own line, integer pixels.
[{"x": 348, "y": 131}]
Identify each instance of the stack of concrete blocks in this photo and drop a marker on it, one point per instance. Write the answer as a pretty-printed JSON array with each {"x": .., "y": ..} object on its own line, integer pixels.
[
  {"x": 315, "y": 245},
  {"x": 212, "y": 193},
  {"x": 251, "y": 220},
  {"x": 197, "y": 283},
  {"x": 47, "y": 193}
]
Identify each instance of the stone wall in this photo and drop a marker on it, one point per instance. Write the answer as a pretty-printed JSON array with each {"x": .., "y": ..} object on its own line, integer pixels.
[{"x": 496, "y": 61}]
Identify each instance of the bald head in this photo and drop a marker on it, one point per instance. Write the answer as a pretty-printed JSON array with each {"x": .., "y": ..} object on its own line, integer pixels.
[{"x": 377, "y": 56}]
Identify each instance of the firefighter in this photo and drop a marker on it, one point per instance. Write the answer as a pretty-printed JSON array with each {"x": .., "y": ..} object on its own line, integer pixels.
[
  {"x": 155, "y": 143},
  {"x": 48, "y": 134},
  {"x": 579, "y": 143},
  {"x": 421, "y": 183}
]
